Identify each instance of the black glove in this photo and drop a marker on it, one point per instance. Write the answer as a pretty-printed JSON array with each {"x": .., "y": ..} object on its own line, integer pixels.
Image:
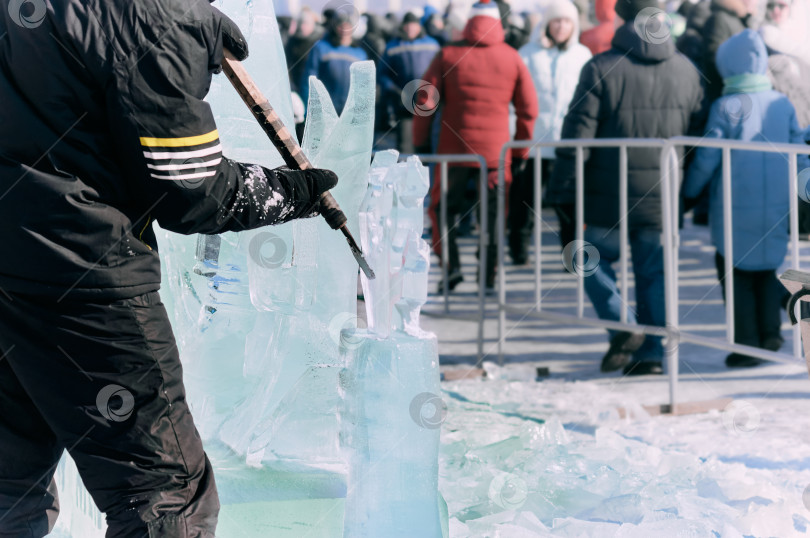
[
  {"x": 424, "y": 149},
  {"x": 232, "y": 38},
  {"x": 304, "y": 189},
  {"x": 518, "y": 167}
]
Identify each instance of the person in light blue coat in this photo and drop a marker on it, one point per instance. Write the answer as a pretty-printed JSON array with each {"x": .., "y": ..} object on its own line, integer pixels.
[{"x": 750, "y": 110}]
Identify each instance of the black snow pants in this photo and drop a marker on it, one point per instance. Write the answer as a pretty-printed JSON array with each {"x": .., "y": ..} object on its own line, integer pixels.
[
  {"x": 103, "y": 381},
  {"x": 757, "y": 304},
  {"x": 458, "y": 204}
]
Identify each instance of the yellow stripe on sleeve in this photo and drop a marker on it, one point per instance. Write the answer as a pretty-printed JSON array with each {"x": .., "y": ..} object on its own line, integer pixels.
[{"x": 180, "y": 142}]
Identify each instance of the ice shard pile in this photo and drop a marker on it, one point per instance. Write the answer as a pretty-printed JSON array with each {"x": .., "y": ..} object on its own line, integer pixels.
[
  {"x": 534, "y": 460},
  {"x": 393, "y": 409}
]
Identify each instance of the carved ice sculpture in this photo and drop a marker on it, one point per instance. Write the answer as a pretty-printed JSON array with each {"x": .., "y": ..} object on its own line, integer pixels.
[{"x": 392, "y": 410}]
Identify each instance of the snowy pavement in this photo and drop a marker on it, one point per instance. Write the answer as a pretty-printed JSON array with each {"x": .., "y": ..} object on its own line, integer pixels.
[
  {"x": 523, "y": 459},
  {"x": 553, "y": 457}
]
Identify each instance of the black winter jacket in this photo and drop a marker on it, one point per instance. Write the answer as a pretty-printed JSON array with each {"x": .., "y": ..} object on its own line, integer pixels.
[
  {"x": 728, "y": 18},
  {"x": 103, "y": 130},
  {"x": 690, "y": 43},
  {"x": 635, "y": 90},
  {"x": 296, "y": 51}
]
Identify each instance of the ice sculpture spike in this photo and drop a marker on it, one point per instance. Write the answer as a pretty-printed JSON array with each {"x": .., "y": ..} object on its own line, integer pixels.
[{"x": 290, "y": 151}]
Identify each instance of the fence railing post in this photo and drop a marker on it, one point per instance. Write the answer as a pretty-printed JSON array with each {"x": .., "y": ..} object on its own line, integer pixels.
[
  {"x": 728, "y": 243},
  {"x": 669, "y": 229},
  {"x": 623, "y": 230},
  {"x": 483, "y": 247},
  {"x": 580, "y": 230},
  {"x": 501, "y": 232},
  {"x": 794, "y": 239},
  {"x": 444, "y": 231},
  {"x": 537, "y": 178}
]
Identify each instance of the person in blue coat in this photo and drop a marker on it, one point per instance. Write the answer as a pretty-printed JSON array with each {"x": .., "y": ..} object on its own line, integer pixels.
[
  {"x": 404, "y": 61},
  {"x": 330, "y": 59},
  {"x": 749, "y": 110}
]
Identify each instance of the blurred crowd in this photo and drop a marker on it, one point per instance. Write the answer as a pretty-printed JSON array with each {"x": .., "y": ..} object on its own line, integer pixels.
[
  {"x": 402, "y": 45},
  {"x": 469, "y": 79}
]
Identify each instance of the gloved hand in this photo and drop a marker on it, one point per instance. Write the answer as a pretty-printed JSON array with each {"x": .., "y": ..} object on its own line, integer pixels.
[
  {"x": 303, "y": 189},
  {"x": 232, "y": 38},
  {"x": 518, "y": 167},
  {"x": 423, "y": 149}
]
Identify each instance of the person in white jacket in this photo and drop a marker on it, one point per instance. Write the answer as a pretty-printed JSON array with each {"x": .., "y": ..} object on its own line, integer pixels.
[{"x": 554, "y": 57}]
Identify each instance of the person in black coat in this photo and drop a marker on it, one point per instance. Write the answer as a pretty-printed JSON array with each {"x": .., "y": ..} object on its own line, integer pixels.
[
  {"x": 638, "y": 89},
  {"x": 299, "y": 44},
  {"x": 690, "y": 43},
  {"x": 729, "y": 17},
  {"x": 373, "y": 41},
  {"x": 109, "y": 135}
]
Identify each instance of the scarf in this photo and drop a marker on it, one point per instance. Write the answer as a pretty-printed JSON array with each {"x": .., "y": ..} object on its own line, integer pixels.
[{"x": 746, "y": 83}]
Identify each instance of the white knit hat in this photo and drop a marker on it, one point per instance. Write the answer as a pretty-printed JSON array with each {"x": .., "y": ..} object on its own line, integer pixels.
[
  {"x": 485, "y": 8},
  {"x": 561, "y": 9}
]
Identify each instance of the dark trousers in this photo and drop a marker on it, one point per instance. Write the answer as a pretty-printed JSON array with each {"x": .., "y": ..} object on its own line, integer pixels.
[
  {"x": 757, "y": 304},
  {"x": 405, "y": 135},
  {"x": 103, "y": 381},
  {"x": 459, "y": 204},
  {"x": 567, "y": 217},
  {"x": 647, "y": 255},
  {"x": 521, "y": 207}
]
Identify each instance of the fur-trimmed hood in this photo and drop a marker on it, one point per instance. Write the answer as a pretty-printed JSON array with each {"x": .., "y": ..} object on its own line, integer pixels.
[{"x": 558, "y": 9}]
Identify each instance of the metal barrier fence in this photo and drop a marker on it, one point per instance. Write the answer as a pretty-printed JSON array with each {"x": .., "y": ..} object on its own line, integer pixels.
[
  {"x": 443, "y": 161},
  {"x": 670, "y": 196},
  {"x": 726, "y": 146},
  {"x": 622, "y": 145}
]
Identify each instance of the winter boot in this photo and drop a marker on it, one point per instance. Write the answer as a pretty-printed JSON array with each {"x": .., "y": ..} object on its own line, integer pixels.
[{"x": 622, "y": 347}]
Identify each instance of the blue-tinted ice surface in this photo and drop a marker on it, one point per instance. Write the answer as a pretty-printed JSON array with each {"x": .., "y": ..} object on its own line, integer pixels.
[
  {"x": 391, "y": 222},
  {"x": 392, "y": 411},
  {"x": 391, "y": 418}
]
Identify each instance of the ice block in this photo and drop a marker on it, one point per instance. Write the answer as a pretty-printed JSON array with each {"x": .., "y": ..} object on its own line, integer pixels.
[{"x": 390, "y": 427}]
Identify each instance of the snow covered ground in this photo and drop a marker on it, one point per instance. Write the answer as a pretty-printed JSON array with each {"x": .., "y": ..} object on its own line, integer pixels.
[{"x": 554, "y": 458}]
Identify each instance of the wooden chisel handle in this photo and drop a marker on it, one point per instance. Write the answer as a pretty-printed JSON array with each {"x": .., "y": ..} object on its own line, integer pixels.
[
  {"x": 291, "y": 152},
  {"x": 279, "y": 135}
]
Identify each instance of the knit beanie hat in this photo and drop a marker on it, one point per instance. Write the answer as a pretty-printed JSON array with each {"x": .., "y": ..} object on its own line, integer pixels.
[
  {"x": 561, "y": 9},
  {"x": 410, "y": 17},
  {"x": 628, "y": 9},
  {"x": 485, "y": 8}
]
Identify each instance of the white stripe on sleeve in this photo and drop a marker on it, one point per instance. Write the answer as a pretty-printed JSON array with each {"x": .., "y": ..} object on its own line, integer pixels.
[
  {"x": 185, "y": 176},
  {"x": 183, "y": 154},
  {"x": 184, "y": 166}
]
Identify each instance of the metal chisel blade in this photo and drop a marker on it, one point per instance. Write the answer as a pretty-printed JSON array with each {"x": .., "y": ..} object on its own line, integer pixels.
[{"x": 361, "y": 260}]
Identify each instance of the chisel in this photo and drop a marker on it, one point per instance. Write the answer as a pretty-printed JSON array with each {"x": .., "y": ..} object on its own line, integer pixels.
[{"x": 287, "y": 145}]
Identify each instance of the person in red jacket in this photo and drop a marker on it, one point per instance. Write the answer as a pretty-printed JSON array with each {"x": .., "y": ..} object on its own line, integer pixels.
[
  {"x": 599, "y": 37},
  {"x": 475, "y": 80}
]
